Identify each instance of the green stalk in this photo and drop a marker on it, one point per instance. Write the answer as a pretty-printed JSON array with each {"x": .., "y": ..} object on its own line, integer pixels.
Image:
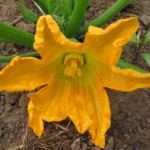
[
  {"x": 13, "y": 35},
  {"x": 107, "y": 15},
  {"x": 9, "y": 58},
  {"x": 76, "y": 18},
  {"x": 125, "y": 65}
]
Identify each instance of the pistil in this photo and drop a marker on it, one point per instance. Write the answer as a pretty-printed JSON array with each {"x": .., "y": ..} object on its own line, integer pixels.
[{"x": 73, "y": 63}]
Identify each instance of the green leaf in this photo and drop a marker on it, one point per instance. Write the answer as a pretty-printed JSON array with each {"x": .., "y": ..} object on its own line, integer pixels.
[
  {"x": 64, "y": 9},
  {"x": 29, "y": 16},
  {"x": 13, "y": 35},
  {"x": 43, "y": 5},
  {"x": 146, "y": 56},
  {"x": 147, "y": 38},
  {"x": 48, "y": 4},
  {"x": 134, "y": 39},
  {"x": 125, "y": 65}
]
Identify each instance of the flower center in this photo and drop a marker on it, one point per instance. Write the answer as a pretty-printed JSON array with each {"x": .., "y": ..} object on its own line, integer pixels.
[{"x": 73, "y": 62}]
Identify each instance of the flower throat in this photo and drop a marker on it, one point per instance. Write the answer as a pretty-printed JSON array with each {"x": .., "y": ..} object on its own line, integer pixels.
[{"x": 73, "y": 63}]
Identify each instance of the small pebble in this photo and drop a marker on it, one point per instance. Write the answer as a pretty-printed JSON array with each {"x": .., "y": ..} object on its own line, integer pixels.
[
  {"x": 127, "y": 136},
  {"x": 84, "y": 146},
  {"x": 64, "y": 137},
  {"x": 148, "y": 120},
  {"x": 96, "y": 148},
  {"x": 11, "y": 98},
  {"x": 26, "y": 27},
  {"x": 129, "y": 119},
  {"x": 110, "y": 143},
  {"x": 23, "y": 101},
  {"x": 130, "y": 130}
]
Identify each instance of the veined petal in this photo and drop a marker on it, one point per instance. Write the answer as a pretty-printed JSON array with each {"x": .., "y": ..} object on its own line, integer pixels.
[
  {"x": 125, "y": 79},
  {"x": 77, "y": 106},
  {"x": 102, "y": 120},
  {"x": 49, "y": 104},
  {"x": 99, "y": 103},
  {"x": 49, "y": 40},
  {"x": 107, "y": 44},
  {"x": 35, "y": 121},
  {"x": 89, "y": 108},
  {"x": 24, "y": 74}
]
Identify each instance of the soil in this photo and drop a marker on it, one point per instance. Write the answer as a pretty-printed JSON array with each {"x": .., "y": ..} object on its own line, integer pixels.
[{"x": 130, "y": 129}]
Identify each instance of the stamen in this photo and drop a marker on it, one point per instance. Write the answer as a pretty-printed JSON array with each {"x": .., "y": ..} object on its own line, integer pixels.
[{"x": 73, "y": 63}]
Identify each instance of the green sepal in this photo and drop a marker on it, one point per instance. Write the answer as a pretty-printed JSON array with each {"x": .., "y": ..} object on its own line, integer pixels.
[
  {"x": 29, "y": 16},
  {"x": 13, "y": 35}
]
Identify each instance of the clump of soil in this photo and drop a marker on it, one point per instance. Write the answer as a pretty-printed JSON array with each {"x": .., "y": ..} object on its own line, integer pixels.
[{"x": 130, "y": 111}]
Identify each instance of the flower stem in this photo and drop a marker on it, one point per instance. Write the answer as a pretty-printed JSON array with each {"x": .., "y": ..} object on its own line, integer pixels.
[
  {"x": 107, "y": 15},
  {"x": 76, "y": 18},
  {"x": 9, "y": 58}
]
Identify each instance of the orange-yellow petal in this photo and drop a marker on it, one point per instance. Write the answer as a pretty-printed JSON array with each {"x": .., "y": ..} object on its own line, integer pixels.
[
  {"x": 89, "y": 108},
  {"x": 101, "y": 117},
  {"x": 49, "y": 40},
  {"x": 49, "y": 104},
  {"x": 77, "y": 105},
  {"x": 99, "y": 110},
  {"x": 35, "y": 121},
  {"x": 24, "y": 74},
  {"x": 107, "y": 44},
  {"x": 125, "y": 79}
]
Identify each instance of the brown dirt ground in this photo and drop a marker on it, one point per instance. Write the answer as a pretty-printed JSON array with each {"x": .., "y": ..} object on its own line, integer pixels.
[{"x": 130, "y": 111}]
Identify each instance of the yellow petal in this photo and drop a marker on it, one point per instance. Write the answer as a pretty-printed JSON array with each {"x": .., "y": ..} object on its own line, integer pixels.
[
  {"x": 24, "y": 74},
  {"x": 99, "y": 104},
  {"x": 125, "y": 79},
  {"x": 89, "y": 108},
  {"x": 48, "y": 104},
  {"x": 35, "y": 121},
  {"x": 107, "y": 44},
  {"x": 49, "y": 40},
  {"x": 101, "y": 117},
  {"x": 77, "y": 106}
]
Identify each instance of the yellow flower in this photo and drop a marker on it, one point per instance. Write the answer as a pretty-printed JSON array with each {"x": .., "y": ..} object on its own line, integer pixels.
[{"x": 74, "y": 75}]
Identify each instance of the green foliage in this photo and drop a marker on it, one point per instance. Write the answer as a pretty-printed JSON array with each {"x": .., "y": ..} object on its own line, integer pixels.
[
  {"x": 28, "y": 15},
  {"x": 14, "y": 35},
  {"x": 140, "y": 43},
  {"x": 61, "y": 10},
  {"x": 146, "y": 56},
  {"x": 41, "y": 5},
  {"x": 146, "y": 38},
  {"x": 134, "y": 39},
  {"x": 125, "y": 65}
]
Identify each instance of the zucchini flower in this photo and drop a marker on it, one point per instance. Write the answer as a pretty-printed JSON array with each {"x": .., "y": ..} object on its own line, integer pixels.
[{"x": 73, "y": 76}]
